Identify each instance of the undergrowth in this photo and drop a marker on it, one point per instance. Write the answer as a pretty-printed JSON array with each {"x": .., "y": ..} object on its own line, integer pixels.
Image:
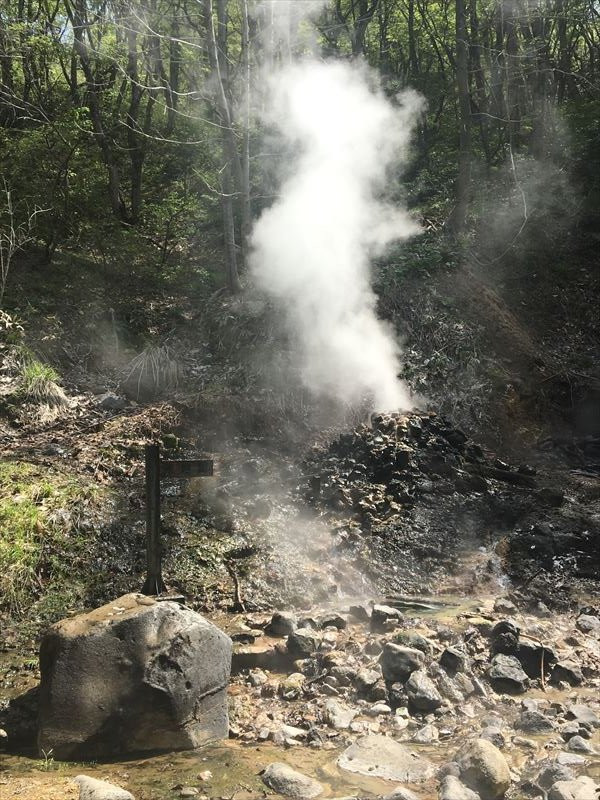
[{"x": 41, "y": 544}]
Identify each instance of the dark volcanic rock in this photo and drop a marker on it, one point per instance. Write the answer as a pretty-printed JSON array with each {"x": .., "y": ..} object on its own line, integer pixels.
[
  {"x": 507, "y": 675},
  {"x": 422, "y": 693},
  {"x": 568, "y": 672},
  {"x": 454, "y": 660},
  {"x": 531, "y": 657},
  {"x": 398, "y": 662},
  {"x": 302, "y": 643}
]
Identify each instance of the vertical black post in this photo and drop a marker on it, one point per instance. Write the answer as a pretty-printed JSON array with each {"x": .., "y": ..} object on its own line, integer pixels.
[{"x": 154, "y": 582}]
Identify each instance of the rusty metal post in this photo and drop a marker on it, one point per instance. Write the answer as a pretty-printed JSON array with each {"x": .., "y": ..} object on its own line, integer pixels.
[{"x": 154, "y": 583}]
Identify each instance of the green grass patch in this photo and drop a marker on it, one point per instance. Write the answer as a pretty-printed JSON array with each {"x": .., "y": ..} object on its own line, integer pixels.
[
  {"x": 41, "y": 541},
  {"x": 38, "y": 382}
]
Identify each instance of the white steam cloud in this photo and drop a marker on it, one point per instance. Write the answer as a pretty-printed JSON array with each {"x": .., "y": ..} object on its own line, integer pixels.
[{"x": 312, "y": 248}]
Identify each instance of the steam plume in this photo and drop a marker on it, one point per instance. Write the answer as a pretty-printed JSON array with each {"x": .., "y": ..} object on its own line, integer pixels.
[{"x": 312, "y": 248}]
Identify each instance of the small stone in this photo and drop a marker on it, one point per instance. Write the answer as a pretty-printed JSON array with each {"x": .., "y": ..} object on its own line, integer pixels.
[
  {"x": 503, "y": 605},
  {"x": 534, "y": 722},
  {"x": 570, "y": 759},
  {"x": 568, "y": 672},
  {"x": 257, "y": 678},
  {"x": 552, "y": 773},
  {"x": 577, "y": 744},
  {"x": 333, "y": 621},
  {"x": 521, "y": 741},
  {"x": 111, "y": 402},
  {"x": 454, "y": 660},
  {"x": 366, "y": 680},
  {"x": 426, "y": 735},
  {"x": 381, "y": 615},
  {"x": 285, "y": 780},
  {"x": 302, "y": 643},
  {"x": 379, "y": 708},
  {"x": 359, "y": 613},
  {"x": 573, "y": 728},
  {"x": 400, "y": 793},
  {"x": 189, "y": 791},
  {"x": 415, "y": 640},
  {"x": 380, "y": 756},
  {"x": 583, "y": 714},
  {"x": 493, "y": 735},
  {"x": 338, "y": 715},
  {"x": 531, "y": 656},
  {"x": 291, "y": 687},
  {"x": 588, "y": 624}
]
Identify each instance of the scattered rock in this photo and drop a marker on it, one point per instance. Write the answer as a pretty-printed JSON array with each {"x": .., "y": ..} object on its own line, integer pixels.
[
  {"x": 379, "y": 756},
  {"x": 112, "y": 402},
  {"x": 414, "y": 640},
  {"x": 302, "y": 643},
  {"x": 582, "y": 788},
  {"x": 338, "y": 715},
  {"x": 381, "y": 615},
  {"x": 568, "y": 672},
  {"x": 281, "y": 624},
  {"x": 426, "y": 735},
  {"x": 92, "y": 789},
  {"x": 285, "y": 780},
  {"x": 454, "y": 660},
  {"x": 422, "y": 692},
  {"x": 507, "y": 675},
  {"x": 534, "y": 722},
  {"x": 531, "y": 656},
  {"x": 583, "y": 714},
  {"x": 502, "y": 605},
  {"x": 552, "y": 773},
  {"x": 452, "y": 789},
  {"x": 400, "y": 793},
  {"x": 398, "y": 662},
  {"x": 588, "y": 624},
  {"x": 577, "y": 744}
]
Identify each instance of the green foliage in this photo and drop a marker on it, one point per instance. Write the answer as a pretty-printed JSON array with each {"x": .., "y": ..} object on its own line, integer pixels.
[{"x": 39, "y": 539}]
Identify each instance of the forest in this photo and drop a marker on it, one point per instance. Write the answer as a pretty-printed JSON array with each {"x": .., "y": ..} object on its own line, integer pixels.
[{"x": 299, "y": 360}]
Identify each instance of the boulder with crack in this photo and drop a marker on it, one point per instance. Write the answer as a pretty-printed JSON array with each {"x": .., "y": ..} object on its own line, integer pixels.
[{"x": 134, "y": 675}]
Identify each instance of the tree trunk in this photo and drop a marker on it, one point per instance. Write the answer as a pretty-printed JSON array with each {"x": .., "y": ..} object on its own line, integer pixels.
[
  {"x": 232, "y": 171},
  {"x": 459, "y": 214},
  {"x": 245, "y": 200}
]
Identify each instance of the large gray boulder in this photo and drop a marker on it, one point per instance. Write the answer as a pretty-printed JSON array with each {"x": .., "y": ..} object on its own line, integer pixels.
[
  {"x": 134, "y": 675},
  {"x": 483, "y": 769},
  {"x": 378, "y": 756}
]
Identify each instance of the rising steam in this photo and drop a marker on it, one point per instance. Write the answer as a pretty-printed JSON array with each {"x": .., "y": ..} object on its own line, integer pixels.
[{"x": 312, "y": 248}]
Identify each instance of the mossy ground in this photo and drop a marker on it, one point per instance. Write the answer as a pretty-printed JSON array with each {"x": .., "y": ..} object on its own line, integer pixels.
[{"x": 42, "y": 545}]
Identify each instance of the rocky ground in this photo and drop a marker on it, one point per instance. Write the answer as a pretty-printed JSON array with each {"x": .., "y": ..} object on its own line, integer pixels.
[{"x": 495, "y": 684}]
